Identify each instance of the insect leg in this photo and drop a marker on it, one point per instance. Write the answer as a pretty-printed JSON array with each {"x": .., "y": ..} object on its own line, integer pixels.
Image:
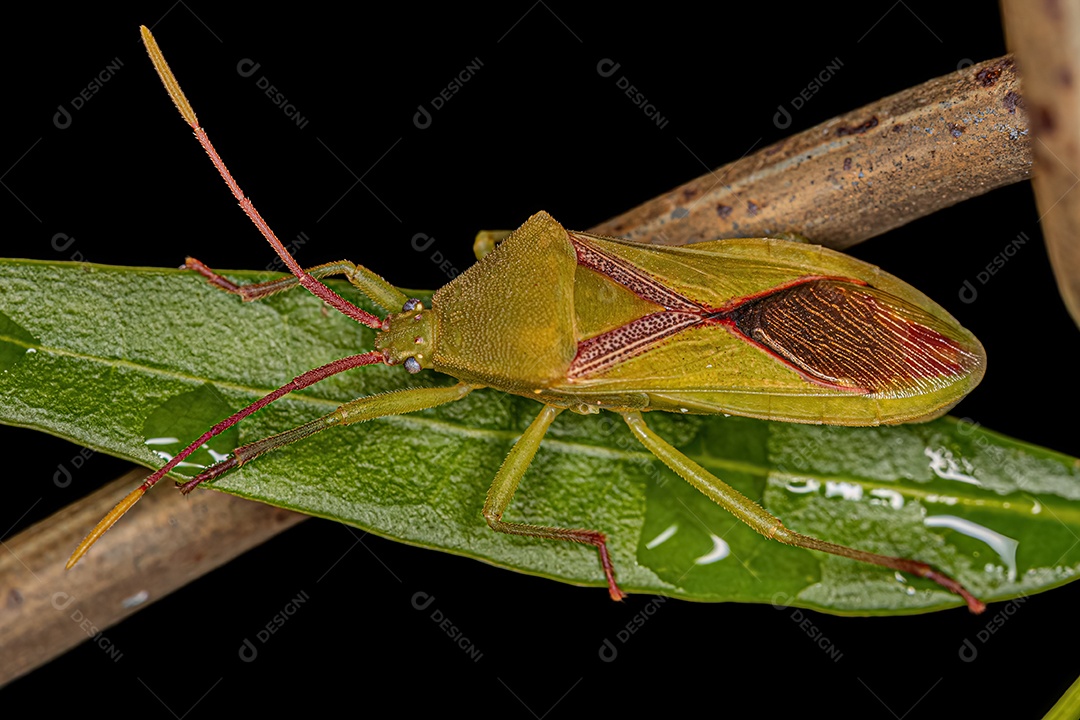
[
  {"x": 506, "y": 483},
  {"x": 380, "y": 291},
  {"x": 486, "y": 240},
  {"x": 359, "y": 410},
  {"x": 297, "y": 383},
  {"x": 768, "y": 524}
]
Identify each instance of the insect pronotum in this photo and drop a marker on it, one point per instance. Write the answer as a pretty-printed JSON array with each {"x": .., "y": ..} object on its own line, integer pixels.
[{"x": 765, "y": 328}]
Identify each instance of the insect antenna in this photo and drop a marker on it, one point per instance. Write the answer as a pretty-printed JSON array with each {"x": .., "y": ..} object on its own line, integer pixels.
[
  {"x": 311, "y": 284},
  {"x": 306, "y": 280}
]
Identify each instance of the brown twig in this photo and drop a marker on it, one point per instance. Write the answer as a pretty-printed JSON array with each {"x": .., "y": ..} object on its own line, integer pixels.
[
  {"x": 171, "y": 541},
  {"x": 860, "y": 174},
  {"x": 1045, "y": 36}
]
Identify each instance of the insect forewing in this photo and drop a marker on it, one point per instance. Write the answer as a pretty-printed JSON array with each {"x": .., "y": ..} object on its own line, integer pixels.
[{"x": 765, "y": 328}]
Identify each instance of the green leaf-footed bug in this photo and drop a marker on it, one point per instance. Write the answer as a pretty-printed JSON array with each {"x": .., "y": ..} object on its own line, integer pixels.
[{"x": 763, "y": 327}]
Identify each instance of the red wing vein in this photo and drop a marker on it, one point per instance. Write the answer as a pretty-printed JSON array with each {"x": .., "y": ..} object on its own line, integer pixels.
[
  {"x": 626, "y": 341},
  {"x": 633, "y": 279}
]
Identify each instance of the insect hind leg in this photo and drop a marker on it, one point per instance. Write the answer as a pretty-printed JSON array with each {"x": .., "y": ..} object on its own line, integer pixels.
[{"x": 769, "y": 525}]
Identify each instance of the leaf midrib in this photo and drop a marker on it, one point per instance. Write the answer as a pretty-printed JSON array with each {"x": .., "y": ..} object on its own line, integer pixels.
[{"x": 1070, "y": 512}]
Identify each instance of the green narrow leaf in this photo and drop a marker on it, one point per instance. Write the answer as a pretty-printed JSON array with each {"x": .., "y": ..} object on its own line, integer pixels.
[
  {"x": 166, "y": 355},
  {"x": 1068, "y": 706}
]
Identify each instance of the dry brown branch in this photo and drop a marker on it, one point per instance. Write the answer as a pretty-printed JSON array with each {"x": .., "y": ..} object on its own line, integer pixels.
[
  {"x": 172, "y": 540},
  {"x": 860, "y": 174},
  {"x": 1046, "y": 38}
]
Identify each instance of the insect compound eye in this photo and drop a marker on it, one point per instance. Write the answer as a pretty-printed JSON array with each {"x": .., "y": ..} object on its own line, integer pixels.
[
  {"x": 412, "y": 365},
  {"x": 412, "y": 304}
]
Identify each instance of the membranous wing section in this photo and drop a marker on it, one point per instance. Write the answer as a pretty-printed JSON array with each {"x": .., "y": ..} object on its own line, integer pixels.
[
  {"x": 835, "y": 332},
  {"x": 847, "y": 335}
]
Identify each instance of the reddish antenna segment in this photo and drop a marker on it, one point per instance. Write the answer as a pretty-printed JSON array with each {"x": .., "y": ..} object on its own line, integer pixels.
[{"x": 314, "y": 286}]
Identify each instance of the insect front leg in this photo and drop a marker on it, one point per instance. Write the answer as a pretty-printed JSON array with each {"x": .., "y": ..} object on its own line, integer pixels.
[
  {"x": 378, "y": 290},
  {"x": 368, "y": 408},
  {"x": 768, "y": 524},
  {"x": 359, "y": 410},
  {"x": 506, "y": 483}
]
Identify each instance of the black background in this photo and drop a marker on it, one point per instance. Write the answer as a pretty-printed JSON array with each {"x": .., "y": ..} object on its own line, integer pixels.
[{"x": 536, "y": 128}]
